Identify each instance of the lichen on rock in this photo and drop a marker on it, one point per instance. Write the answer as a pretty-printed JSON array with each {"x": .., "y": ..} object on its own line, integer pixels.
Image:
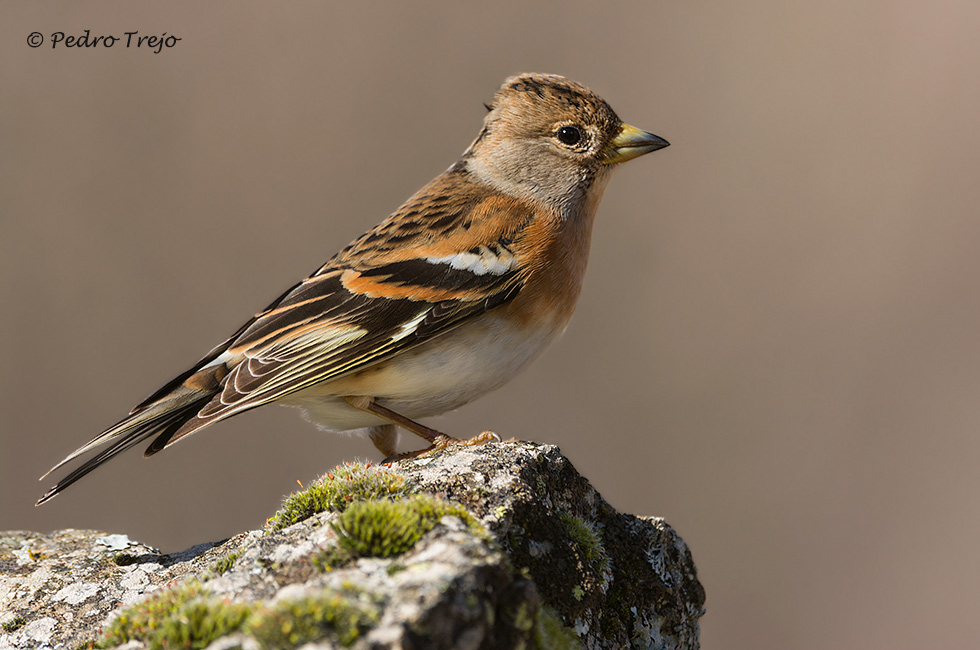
[{"x": 499, "y": 546}]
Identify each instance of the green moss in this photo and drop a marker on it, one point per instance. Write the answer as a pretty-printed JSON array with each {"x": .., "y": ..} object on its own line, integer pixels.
[
  {"x": 335, "y": 491},
  {"x": 176, "y": 618},
  {"x": 124, "y": 559},
  {"x": 523, "y": 616},
  {"x": 551, "y": 634},
  {"x": 395, "y": 568},
  {"x": 589, "y": 542},
  {"x": 291, "y": 623},
  {"x": 224, "y": 564},
  {"x": 187, "y": 617},
  {"x": 14, "y": 624},
  {"x": 385, "y": 528},
  {"x": 332, "y": 557}
]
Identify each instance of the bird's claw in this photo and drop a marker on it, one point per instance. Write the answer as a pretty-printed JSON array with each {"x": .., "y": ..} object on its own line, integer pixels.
[{"x": 442, "y": 442}]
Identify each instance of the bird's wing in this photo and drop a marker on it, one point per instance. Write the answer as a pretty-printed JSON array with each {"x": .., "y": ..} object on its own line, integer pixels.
[
  {"x": 339, "y": 323},
  {"x": 447, "y": 255},
  {"x": 439, "y": 261}
]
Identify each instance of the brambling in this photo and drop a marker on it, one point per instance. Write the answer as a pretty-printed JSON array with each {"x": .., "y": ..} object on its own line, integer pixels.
[{"x": 443, "y": 301}]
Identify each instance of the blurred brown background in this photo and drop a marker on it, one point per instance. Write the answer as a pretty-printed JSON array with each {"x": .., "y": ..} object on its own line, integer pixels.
[{"x": 777, "y": 346}]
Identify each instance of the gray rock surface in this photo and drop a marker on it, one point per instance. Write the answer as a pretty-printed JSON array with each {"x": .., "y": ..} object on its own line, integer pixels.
[{"x": 553, "y": 566}]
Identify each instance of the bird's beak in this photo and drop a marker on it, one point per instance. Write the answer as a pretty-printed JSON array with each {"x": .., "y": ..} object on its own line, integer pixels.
[{"x": 631, "y": 142}]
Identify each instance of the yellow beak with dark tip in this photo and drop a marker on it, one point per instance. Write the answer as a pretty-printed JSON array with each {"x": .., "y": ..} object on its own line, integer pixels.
[{"x": 630, "y": 143}]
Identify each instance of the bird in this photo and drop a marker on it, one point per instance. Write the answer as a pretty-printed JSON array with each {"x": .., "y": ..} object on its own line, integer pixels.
[{"x": 443, "y": 301}]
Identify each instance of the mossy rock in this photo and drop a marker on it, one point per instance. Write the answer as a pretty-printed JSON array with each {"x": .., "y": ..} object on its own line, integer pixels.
[
  {"x": 189, "y": 617},
  {"x": 176, "y": 618},
  {"x": 386, "y": 528},
  {"x": 336, "y": 490}
]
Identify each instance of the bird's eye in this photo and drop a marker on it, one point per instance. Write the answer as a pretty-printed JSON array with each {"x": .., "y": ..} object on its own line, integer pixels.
[{"x": 570, "y": 135}]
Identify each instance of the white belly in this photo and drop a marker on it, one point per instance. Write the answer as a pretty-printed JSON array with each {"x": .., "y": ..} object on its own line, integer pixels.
[{"x": 438, "y": 376}]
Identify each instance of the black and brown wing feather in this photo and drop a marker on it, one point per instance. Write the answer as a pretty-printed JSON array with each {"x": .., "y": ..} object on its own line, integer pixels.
[
  {"x": 395, "y": 287},
  {"x": 313, "y": 341}
]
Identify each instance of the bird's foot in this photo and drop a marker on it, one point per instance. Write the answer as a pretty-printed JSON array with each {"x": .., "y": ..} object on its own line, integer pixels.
[{"x": 443, "y": 441}]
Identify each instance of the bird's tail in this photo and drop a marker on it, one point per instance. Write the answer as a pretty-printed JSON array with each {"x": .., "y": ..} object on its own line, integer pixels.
[{"x": 161, "y": 419}]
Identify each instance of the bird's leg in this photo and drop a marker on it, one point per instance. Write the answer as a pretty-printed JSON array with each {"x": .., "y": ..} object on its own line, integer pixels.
[{"x": 383, "y": 438}]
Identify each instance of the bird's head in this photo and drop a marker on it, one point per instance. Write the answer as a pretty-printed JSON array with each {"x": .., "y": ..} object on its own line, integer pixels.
[{"x": 548, "y": 138}]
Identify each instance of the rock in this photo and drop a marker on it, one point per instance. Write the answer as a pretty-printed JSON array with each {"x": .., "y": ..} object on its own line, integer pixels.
[{"x": 534, "y": 558}]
